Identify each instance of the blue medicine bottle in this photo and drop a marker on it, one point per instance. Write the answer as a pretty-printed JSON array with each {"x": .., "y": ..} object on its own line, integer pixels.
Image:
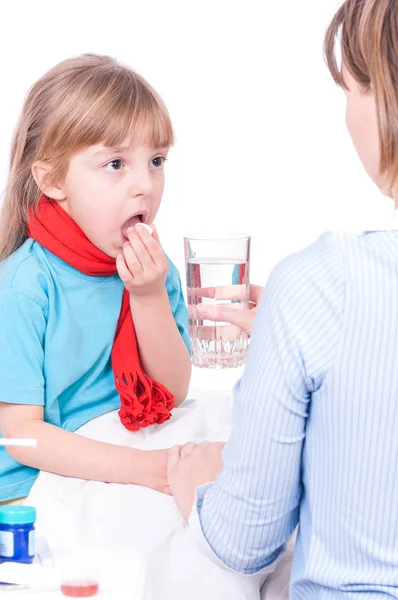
[{"x": 17, "y": 534}]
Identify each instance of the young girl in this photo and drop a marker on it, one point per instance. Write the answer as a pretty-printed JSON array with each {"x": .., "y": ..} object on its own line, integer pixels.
[{"x": 92, "y": 316}]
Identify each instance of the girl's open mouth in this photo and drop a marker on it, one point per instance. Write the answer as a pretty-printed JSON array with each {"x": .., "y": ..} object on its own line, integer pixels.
[{"x": 132, "y": 222}]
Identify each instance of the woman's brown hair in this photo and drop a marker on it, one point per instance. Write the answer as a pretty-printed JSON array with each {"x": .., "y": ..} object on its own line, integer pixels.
[
  {"x": 369, "y": 50},
  {"x": 80, "y": 102}
]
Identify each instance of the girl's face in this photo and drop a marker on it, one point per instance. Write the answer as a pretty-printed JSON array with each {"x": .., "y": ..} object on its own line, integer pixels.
[
  {"x": 361, "y": 119},
  {"x": 107, "y": 190}
]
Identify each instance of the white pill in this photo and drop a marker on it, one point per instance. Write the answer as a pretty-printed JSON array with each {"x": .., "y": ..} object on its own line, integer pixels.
[{"x": 147, "y": 227}]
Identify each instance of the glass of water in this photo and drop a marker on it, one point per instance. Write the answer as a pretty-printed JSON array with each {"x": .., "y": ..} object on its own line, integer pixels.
[{"x": 217, "y": 271}]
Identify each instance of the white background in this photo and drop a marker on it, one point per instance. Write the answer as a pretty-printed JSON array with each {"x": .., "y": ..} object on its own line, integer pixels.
[{"x": 261, "y": 141}]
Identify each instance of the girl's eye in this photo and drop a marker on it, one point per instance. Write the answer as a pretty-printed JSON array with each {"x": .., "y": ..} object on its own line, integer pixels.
[
  {"x": 158, "y": 161},
  {"x": 114, "y": 165}
]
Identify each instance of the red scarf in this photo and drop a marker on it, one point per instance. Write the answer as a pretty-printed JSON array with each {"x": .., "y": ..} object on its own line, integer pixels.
[{"x": 143, "y": 401}]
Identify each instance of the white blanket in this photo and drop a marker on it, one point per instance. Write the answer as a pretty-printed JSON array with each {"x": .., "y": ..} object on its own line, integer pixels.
[{"x": 76, "y": 515}]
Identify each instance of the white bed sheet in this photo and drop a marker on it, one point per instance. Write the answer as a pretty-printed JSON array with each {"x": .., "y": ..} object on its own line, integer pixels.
[{"x": 84, "y": 515}]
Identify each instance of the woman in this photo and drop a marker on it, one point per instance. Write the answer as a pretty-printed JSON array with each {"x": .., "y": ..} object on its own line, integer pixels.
[{"x": 314, "y": 438}]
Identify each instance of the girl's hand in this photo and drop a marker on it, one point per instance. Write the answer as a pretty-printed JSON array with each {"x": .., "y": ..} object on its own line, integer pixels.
[
  {"x": 154, "y": 470},
  {"x": 190, "y": 466},
  {"x": 143, "y": 265}
]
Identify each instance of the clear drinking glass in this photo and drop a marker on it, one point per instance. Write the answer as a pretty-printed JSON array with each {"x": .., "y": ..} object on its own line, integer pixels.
[{"x": 217, "y": 272}]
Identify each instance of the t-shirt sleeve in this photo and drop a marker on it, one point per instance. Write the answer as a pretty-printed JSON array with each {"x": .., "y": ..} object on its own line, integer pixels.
[
  {"x": 177, "y": 303},
  {"x": 22, "y": 330}
]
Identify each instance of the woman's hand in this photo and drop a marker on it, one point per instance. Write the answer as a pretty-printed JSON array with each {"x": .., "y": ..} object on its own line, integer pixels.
[
  {"x": 190, "y": 466},
  {"x": 228, "y": 312}
]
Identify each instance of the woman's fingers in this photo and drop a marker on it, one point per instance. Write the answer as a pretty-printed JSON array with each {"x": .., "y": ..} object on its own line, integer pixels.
[
  {"x": 221, "y": 312},
  {"x": 228, "y": 313},
  {"x": 173, "y": 458},
  {"x": 255, "y": 293},
  {"x": 187, "y": 449}
]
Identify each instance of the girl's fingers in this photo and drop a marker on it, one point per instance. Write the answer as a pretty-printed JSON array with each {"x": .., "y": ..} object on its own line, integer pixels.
[
  {"x": 154, "y": 235},
  {"x": 151, "y": 242},
  {"x": 124, "y": 273},
  {"x": 131, "y": 259},
  {"x": 141, "y": 251}
]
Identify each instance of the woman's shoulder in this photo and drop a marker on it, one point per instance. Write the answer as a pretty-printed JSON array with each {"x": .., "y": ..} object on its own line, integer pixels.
[
  {"x": 322, "y": 257},
  {"x": 314, "y": 274},
  {"x": 323, "y": 268},
  {"x": 26, "y": 272},
  {"x": 329, "y": 255}
]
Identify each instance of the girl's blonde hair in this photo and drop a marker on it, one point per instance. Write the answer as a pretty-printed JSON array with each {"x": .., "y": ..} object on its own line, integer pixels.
[
  {"x": 80, "y": 102},
  {"x": 369, "y": 48}
]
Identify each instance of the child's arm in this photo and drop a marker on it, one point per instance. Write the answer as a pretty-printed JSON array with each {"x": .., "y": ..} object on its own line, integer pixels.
[
  {"x": 163, "y": 353},
  {"x": 65, "y": 453},
  {"x": 143, "y": 268}
]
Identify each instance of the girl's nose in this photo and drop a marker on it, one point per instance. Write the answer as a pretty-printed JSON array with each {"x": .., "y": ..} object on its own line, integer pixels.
[{"x": 142, "y": 183}]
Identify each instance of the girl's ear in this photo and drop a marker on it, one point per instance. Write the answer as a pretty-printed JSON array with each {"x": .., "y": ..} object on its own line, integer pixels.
[{"x": 41, "y": 172}]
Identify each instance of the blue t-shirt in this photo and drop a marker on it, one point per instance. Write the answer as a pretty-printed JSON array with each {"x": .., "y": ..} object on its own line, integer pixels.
[{"x": 57, "y": 327}]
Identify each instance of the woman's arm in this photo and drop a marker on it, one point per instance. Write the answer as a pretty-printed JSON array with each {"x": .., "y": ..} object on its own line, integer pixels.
[
  {"x": 248, "y": 514},
  {"x": 65, "y": 453}
]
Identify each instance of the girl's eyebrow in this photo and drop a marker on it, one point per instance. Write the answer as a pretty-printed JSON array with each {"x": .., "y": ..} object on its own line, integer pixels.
[
  {"x": 121, "y": 149},
  {"x": 115, "y": 149}
]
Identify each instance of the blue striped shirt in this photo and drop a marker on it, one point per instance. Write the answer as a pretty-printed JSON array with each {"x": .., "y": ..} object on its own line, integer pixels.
[{"x": 315, "y": 430}]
